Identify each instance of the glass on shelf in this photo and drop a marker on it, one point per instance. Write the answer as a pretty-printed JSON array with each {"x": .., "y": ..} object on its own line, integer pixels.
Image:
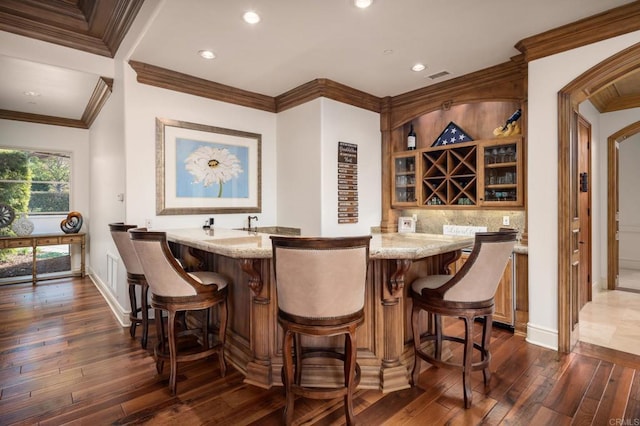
[{"x": 510, "y": 154}]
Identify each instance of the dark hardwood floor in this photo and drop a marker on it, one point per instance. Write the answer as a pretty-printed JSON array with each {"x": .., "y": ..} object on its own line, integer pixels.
[{"x": 64, "y": 359}]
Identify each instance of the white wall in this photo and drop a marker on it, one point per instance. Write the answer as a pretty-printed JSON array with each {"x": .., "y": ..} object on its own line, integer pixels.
[
  {"x": 630, "y": 203},
  {"x": 299, "y": 168},
  {"x": 546, "y": 77},
  {"x": 345, "y": 123},
  {"x": 108, "y": 179},
  {"x": 142, "y": 105},
  {"x": 308, "y": 137},
  {"x": 18, "y": 134}
]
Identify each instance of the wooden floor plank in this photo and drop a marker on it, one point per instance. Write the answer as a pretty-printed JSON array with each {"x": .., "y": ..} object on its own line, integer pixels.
[
  {"x": 64, "y": 359},
  {"x": 614, "y": 400},
  {"x": 571, "y": 387}
]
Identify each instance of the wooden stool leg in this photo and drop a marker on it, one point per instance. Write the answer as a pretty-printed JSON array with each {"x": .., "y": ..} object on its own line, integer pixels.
[
  {"x": 349, "y": 373},
  {"x": 297, "y": 353},
  {"x": 468, "y": 353},
  {"x": 486, "y": 340},
  {"x": 144, "y": 294},
  {"x": 288, "y": 376},
  {"x": 437, "y": 320},
  {"x": 223, "y": 317},
  {"x": 415, "y": 325},
  {"x": 133, "y": 316},
  {"x": 173, "y": 351},
  {"x": 160, "y": 346}
]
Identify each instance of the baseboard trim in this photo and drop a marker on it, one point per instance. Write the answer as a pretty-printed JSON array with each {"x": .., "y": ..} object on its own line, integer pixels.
[
  {"x": 122, "y": 315},
  {"x": 542, "y": 336}
]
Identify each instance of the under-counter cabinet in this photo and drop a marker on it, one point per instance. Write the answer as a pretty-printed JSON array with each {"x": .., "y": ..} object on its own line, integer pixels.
[{"x": 404, "y": 179}]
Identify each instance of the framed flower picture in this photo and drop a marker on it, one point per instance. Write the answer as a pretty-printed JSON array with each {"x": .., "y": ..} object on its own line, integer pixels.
[{"x": 204, "y": 169}]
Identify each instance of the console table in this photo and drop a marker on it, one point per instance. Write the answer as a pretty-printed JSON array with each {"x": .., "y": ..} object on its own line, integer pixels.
[{"x": 38, "y": 240}]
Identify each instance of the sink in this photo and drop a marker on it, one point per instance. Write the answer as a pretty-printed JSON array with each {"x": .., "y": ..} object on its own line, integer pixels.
[{"x": 274, "y": 230}]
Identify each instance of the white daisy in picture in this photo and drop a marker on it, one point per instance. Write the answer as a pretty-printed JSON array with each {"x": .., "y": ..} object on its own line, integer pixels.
[{"x": 210, "y": 165}]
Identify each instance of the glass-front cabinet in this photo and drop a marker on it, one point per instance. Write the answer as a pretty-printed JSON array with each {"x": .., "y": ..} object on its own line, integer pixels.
[
  {"x": 404, "y": 179},
  {"x": 477, "y": 174},
  {"x": 501, "y": 174}
]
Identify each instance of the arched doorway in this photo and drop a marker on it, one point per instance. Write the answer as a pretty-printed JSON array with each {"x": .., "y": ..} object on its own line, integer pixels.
[
  {"x": 569, "y": 98},
  {"x": 613, "y": 203}
]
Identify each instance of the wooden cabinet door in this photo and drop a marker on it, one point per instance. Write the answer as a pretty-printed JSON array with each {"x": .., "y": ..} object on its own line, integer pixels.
[
  {"x": 500, "y": 178},
  {"x": 405, "y": 187},
  {"x": 504, "y": 297}
]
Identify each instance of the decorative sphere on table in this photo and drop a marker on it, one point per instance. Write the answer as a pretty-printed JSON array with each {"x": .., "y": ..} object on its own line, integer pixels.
[
  {"x": 72, "y": 224},
  {"x": 23, "y": 226}
]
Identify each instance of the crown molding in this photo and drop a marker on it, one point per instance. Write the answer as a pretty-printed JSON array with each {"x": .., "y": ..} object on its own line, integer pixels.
[
  {"x": 99, "y": 28},
  {"x": 184, "y": 83},
  {"x": 41, "y": 119},
  {"x": 323, "y": 87},
  {"x": 99, "y": 97},
  {"x": 608, "y": 24}
]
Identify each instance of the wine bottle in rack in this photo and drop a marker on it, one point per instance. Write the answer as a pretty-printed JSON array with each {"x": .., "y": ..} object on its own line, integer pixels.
[{"x": 411, "y": 139}]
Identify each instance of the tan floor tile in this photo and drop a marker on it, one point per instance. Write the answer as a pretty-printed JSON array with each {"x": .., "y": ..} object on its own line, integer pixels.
[{"x": 612, "y": 318}]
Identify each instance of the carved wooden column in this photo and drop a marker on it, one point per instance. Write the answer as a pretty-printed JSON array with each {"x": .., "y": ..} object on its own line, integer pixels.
[
  {"x": 259, "y": 369},
  {"x": 393, "y": 375}
]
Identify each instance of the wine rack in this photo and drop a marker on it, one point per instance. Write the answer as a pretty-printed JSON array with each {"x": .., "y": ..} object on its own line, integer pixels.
[{"x": 450, "y": 175}]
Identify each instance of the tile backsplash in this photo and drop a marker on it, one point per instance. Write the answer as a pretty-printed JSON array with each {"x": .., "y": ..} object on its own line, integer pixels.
[{"x": 432, "y": 221}]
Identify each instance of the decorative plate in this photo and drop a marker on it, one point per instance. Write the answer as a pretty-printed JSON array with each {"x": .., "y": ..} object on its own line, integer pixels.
[{"x": 6, "y": 215}]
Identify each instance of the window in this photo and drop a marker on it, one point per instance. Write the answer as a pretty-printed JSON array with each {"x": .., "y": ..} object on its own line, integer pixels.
[{"x": 35, "y": 182}]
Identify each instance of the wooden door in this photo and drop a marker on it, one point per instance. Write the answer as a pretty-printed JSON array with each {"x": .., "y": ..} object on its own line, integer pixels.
[{"x": 584, "y": 210}]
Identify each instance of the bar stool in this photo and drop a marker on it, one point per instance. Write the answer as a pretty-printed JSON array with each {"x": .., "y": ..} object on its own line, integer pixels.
[
  {"x": 320, "y": 284},
  {"x": 135, "y": 278},
  {"x": 175, "y": 291},
  {"x": 469, "y": 294}
]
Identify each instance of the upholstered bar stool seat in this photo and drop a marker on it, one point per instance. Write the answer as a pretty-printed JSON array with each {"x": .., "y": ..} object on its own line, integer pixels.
[
  {"x": 469, "y": 294},
  {"x": 139, "y": 314},
  {"x": 320, "y": 284},
  {"x": 175, "y": 291}
]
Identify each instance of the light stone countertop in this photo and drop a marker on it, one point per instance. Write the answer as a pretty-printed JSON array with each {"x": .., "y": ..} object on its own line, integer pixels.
[
  {"x": 255, "y": 245},
  {"x": 521, "y": 249}
]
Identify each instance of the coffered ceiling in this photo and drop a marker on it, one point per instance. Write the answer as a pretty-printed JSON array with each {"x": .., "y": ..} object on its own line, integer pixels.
[{"x": 297, "y": 41}]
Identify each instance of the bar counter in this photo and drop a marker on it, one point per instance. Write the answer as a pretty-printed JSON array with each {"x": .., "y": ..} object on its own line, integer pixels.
[{"x": 254, "y": 339}]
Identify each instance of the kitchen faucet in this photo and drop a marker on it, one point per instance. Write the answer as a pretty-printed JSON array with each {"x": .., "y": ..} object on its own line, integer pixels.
[{"x": 249, "y": 220}]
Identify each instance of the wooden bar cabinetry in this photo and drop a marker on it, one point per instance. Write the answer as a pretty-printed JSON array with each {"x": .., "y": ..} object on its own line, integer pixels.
[{"x": 485, "y": 173}]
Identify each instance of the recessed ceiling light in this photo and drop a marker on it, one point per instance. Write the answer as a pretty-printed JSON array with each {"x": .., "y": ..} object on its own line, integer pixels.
[
  {"x": 387, "y": 51},
  {"x": 362, "y": 4},
  {"x": 206, "y": 54},
  {"x": 31, "y": 93},
  {"x": 418, "y": 67},
  {"x": 251, "y": 17}
]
